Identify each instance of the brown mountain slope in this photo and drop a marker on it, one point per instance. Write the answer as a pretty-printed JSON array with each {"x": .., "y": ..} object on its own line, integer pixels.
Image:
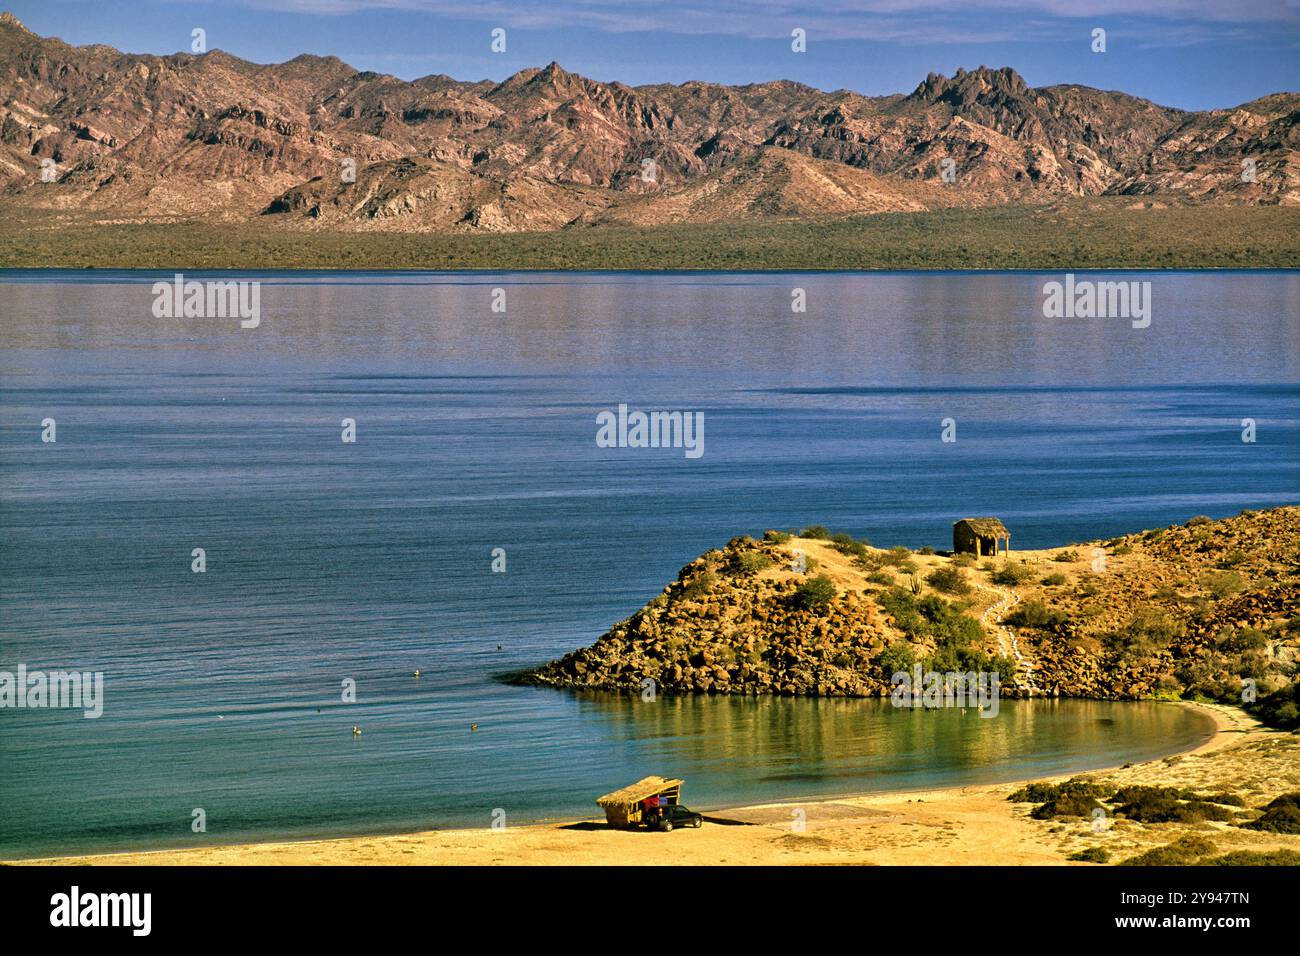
[
  {"x": 774, "y": 183},
  {"x": 1203, "y": 156},
  {"x": 211, "y": 136},
  {"x": 1006, "y": 141},
  {"x": 424, "y": 195}
]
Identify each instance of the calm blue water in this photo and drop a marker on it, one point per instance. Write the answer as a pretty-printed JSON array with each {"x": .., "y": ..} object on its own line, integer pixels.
[{"x": 476, "y": 431}]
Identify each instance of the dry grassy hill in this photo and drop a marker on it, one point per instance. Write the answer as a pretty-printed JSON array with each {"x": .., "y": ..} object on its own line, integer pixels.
[{"x": 1209, "y": 609}]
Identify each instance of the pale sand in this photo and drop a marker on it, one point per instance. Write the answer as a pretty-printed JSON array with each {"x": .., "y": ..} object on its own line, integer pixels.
[{"x": 967, "y": 825}]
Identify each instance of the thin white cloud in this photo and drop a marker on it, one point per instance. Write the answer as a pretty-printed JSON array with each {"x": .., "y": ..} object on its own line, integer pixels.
[
  {"x": 1159, "y": 23},
  {"x": 944, "y": 21}
]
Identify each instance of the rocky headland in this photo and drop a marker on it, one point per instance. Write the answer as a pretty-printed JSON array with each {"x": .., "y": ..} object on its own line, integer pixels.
[{"x": 1206, "y": 610}]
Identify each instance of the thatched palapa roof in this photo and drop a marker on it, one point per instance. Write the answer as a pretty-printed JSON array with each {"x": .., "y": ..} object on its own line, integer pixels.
[
  {"x": 646, "y": 787},
  {"x": 985, "y": 526}
]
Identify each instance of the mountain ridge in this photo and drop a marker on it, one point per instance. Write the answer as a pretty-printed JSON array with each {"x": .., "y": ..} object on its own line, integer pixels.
[{"x": 213, "y": 137}]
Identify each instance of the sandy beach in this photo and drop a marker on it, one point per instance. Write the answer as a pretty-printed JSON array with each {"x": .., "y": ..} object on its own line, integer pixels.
[{"x": 961, "y": 826}]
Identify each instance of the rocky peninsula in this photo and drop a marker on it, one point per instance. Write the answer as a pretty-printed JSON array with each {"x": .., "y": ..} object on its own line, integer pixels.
[{"x": 1206, "y": 610}]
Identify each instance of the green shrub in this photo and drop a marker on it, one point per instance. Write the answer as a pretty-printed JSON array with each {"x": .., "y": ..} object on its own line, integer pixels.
[
  {"x": 1255, "y": 858},
  {"x": 1138, "y": 792},
  {"x": 777, "y": 537},
  {"x": 1075, "y": 787},
  {"x": 1225, "y": 799},
  {"x": 1280, "y": 816},
  {"x": 1241, "y": 639},
  {"x": 1285, "y": 800},
  {"x": 1034, "y": 793},
  {"x": 815, "y": 531},
  {"x": 1067, "y": 555},
  {"x": 1199, "y": 520},
  {"x": 1054, "y": 580},
  {"x": 1082, "y": 786},
  {"x": 846, "y": 544},
  {"x": 1013, "y": 573},
  {"x": 896, "y": 658},
  {"x": 1166, "y": 805},
  {"x": 881, "y": 577},
  {"x": 964, "y": 560},
  {"x": 897, "y": 556},
  {"x": 750, "y": 562},
  {"x": 1184, "y": 851},
  {"x": 946, "y": 624},
  {"x": 899, "y": 604},
  {"x": 1230, "y": 559},
  {"x": 1281, "y": 708},
  {"x": 700, "y": 585},
  {"x": 949, "y": 580},
  {"x": 1066, "y": 805},
  {"x": 1094, "y": 854},
  {"x": 1149, "y": 630},
  {"x": 1006, "y": 668},
  {"x": 931, "y": 616},
  {"x": 815, "y": 594},
  {"x": 1035, "y": 614},
  {"x": 1222, "y": 584}
]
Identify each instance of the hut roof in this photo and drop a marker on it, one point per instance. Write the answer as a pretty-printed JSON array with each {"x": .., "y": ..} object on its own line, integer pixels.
[
  {"x": 985, "y": 526},
  {"x": 646, "y": 787}
]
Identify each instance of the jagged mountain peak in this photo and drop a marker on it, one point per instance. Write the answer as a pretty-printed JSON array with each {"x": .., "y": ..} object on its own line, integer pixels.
[
  {"x": 967, "y": 86},
  {"x": 9, "y": 21},
  {"x": 549, "y": 77}
]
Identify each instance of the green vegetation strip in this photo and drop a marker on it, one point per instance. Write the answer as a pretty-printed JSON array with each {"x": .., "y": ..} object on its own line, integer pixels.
[{"x": 1084, "y": 235}]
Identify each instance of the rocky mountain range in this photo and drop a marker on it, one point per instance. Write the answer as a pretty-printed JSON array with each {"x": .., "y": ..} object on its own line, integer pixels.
[{"x": 314, "y": 143}]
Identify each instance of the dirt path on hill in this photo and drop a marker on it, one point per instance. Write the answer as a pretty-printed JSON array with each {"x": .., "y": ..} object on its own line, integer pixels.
[{"x": 1010, "y": 645}]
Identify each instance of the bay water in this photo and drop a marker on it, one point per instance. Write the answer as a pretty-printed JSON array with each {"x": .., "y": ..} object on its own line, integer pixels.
[{"x": 330, "y": 562}]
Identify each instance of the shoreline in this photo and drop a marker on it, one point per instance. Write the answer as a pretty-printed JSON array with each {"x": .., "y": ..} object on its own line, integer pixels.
[{"x": 589, "y": 842}]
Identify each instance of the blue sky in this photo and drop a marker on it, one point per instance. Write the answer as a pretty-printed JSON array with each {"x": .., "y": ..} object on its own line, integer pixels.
[{"x": 1194, "y": 54}]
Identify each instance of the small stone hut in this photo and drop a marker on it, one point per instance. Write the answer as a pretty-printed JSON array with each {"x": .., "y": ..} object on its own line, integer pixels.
[{"x": 980, "y": 536}]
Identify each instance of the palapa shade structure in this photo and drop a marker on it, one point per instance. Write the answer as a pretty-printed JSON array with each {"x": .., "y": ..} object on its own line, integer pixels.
[
  {"x": 979, "y": 536},
  {"x": 623, "y": 807}
]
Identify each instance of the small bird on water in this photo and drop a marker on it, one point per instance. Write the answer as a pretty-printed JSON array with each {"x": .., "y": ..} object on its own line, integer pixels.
[
  {"x": 417, "y": 673},
  {"x": 356, "y": 731},
  {"x": 473, "y": 726}
]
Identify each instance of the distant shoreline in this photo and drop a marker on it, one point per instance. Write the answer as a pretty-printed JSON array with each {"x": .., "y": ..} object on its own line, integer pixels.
[{"x": 1069, "y": 235}]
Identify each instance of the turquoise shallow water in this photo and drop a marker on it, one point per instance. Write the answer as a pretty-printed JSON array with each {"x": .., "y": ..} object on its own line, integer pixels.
[{"x": 476, "y": 431}]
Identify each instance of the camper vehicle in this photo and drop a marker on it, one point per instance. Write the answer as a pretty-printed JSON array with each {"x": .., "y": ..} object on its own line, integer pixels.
[{"x": 674, "y": 815}]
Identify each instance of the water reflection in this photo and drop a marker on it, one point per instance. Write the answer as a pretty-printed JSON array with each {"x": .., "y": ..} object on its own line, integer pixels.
[{"x": 793, "y": 747}]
